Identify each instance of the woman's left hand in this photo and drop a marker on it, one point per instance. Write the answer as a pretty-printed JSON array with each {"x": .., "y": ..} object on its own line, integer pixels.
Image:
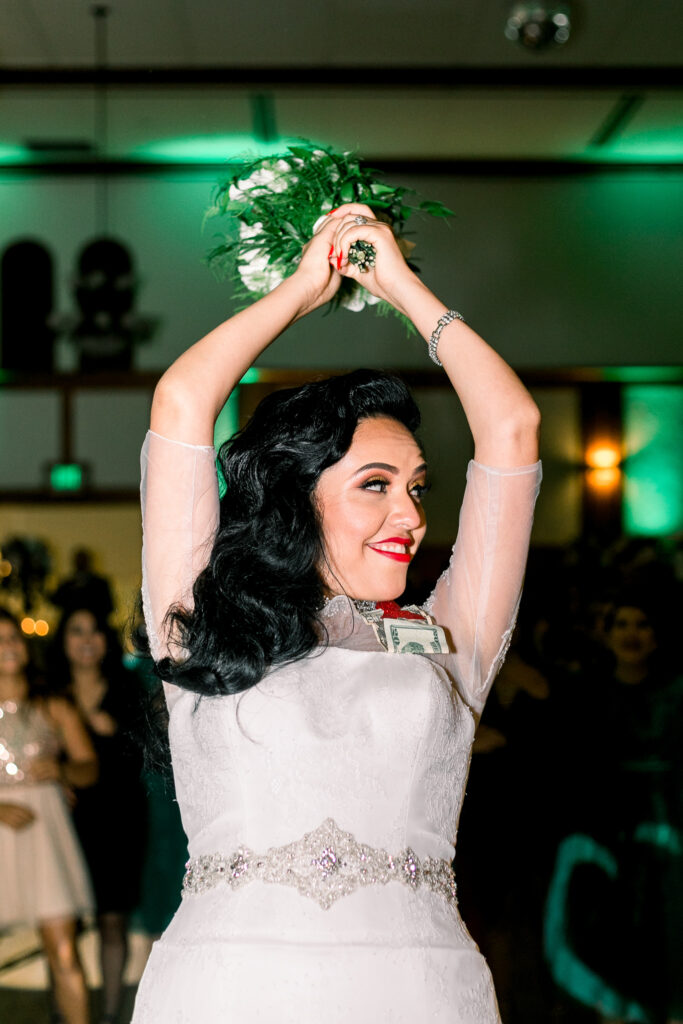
[
  {"x": 45, "y": 769},
  {"x": 390, "y": 273}
]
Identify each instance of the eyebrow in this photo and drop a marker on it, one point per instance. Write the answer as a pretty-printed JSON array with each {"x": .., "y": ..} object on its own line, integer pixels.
[{"x": 389, "y": 469}]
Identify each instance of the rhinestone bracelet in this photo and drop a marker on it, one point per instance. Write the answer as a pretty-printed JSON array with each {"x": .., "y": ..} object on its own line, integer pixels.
[
  {"x": 324, "y": 866},
  {"x": 447, "y": 318}
]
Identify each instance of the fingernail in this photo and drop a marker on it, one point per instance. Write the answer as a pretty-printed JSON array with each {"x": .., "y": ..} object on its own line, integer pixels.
[
  {"x": 340, "y": 257},
  {"x": 329, "y": 255},
  {"x": 331, "y": 211}
]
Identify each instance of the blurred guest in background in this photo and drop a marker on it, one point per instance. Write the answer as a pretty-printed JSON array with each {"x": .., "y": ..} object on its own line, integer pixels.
[
  {"x": 84, "y": 588},
  {"x": 86, "y": 664},
  {"x": 614, "y": 925},
  {"x": 43, "y": 878}
]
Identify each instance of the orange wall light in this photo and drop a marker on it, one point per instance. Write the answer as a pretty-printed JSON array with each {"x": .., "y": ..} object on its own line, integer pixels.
[{"x": 603, "y": 459}]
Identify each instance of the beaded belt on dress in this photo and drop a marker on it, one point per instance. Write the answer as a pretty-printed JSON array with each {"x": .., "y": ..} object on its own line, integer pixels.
[{"x": 324, "y": 866}]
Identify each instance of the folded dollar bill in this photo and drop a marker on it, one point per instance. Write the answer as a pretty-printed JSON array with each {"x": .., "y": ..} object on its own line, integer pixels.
[{"x": 408, "y": 636}]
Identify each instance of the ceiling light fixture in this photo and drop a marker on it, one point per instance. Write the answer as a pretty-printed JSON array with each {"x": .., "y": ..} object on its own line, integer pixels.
[{"x": 539, "y": 25}]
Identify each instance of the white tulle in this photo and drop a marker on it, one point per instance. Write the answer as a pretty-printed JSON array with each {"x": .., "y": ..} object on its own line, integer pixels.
[{"x": 380, "y": 743}]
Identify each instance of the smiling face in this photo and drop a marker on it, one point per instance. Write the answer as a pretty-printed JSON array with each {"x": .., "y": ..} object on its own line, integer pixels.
[
  {"x": 371, "y": 513},
  {"x": 631, "y": 637},
  {"x": 13, "y": 651},
  {"x": 85, "y": 645}
]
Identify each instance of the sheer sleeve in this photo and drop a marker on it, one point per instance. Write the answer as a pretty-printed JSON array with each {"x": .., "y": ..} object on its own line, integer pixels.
[
  {"x": 179, "y": 495},
  {"x": 477, "y": 598}
]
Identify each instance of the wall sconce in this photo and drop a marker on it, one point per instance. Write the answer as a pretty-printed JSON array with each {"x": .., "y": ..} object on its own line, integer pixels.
[{"x": 603, "y": 466}]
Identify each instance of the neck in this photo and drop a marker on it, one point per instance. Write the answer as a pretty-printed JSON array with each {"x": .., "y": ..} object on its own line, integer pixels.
[
  {"x": 85, "y": 678},
  {"x": 13, "y": 687},
  {"x": 631, "y": 674}
]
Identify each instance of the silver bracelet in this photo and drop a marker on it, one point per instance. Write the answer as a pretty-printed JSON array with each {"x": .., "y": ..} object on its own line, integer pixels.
[{"x": 447, "y": 318}]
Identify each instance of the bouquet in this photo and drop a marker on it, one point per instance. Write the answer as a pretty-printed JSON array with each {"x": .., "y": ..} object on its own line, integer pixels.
[{"x": 273, "y": 205}]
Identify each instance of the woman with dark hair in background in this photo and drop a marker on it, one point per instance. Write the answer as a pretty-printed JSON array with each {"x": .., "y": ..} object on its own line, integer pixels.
[
  {"x": 43, "y": 878},
  {"x": 86, "y": 665},
  {"x": 320, "y": 734},
  {"x": 614, "y": 923}
]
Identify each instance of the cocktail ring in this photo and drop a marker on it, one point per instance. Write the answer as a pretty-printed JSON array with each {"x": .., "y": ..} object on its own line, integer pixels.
[
  {"x": 360, "y": 219},
  {"x": 362, "y": 255}
]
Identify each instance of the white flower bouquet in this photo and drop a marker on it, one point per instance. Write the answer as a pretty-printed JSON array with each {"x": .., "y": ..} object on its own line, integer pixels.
[{"x": 272, "y": 207}]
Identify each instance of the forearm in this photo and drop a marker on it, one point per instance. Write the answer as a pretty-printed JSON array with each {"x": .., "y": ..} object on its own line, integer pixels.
[
  {"x": 194, "y": 389},
  {"x": 80, "y": 773},
  {"x": 501, "y": 413}
]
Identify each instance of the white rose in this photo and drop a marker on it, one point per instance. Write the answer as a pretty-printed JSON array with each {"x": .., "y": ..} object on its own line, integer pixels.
[
  {"x": 355, "y": 300},
  {"x": 250, "y": 230},
  {"x": 256, "y": 273}
]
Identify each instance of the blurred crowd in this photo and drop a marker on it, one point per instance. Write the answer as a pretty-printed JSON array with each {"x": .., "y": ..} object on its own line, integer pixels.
[
  {"x": 86, "y": 835},
  {"x": 570, "y": 847}
]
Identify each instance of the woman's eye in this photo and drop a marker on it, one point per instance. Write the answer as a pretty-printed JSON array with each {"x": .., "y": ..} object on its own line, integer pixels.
[
  {"x": 376, "y": 483},
  {"x": 418, "y": 491}
]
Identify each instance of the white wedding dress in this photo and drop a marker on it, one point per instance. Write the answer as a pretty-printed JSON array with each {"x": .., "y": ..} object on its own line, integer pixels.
[{"x": 375, "y": 745}]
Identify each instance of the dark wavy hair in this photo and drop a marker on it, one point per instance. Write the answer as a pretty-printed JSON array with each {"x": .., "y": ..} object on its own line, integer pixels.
[
  {"x": 59, "y": 669},
  {"x": 256, "y": 603}
]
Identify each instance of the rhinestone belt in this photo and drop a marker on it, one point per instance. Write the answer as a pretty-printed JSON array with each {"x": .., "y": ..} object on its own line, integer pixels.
[{"x": 325, "y": 865}]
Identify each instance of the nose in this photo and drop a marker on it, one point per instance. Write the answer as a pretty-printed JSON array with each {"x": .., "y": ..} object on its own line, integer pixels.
[{"x": 406, "y": 513}]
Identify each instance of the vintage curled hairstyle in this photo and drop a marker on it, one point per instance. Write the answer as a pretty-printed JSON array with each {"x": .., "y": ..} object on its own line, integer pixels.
[{"x": 256, "y": 604}]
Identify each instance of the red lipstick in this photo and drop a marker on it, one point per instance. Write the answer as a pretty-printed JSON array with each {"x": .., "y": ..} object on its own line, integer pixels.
[{"x": 396, "y": 555}]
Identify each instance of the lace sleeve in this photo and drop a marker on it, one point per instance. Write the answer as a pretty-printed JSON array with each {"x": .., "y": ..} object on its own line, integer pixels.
[
  {"x": 477, "y": 598},
  {"x": 179, "y": 495}
]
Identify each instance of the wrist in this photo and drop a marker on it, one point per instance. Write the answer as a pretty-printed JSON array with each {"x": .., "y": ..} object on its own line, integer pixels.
[{"x": 414, "y": 299}]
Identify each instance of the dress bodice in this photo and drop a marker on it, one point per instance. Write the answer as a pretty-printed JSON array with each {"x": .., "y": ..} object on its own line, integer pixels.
[
  {"x": 378, "y": 742},
  {"x": 25, "y": 736},
  {"x": 381, "y": 744}
]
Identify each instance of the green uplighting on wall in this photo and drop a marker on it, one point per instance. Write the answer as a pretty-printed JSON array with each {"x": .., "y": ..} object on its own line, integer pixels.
[
  {"x": 209, "y": 149},
  {"x": 642, "y": 374},
  {"x": 653, "y": 470},
  {"x": 12, "y": 154}
]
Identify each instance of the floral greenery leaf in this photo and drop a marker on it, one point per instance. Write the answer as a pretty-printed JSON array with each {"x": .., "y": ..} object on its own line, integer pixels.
[{"x": 271, "y": 204}]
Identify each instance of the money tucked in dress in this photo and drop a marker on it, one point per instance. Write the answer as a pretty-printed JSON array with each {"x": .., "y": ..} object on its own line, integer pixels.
[
  {"x": 321, "y": 806},
  {"x": 43, "y": 874}
]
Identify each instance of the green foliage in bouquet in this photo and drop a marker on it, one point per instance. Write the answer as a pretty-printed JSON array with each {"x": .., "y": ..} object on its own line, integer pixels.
[{"x": 272, "y": 205}]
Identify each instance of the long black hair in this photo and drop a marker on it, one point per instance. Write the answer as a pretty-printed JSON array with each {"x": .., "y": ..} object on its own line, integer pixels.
[
  {"x": 59, "y": 668},
  {"x": 256, "y": 603}
]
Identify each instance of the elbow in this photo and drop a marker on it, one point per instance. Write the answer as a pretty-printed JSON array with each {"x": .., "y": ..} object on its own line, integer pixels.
[
  {"x": 518, "y": 436},
  {"x": 172, "y": 408}
]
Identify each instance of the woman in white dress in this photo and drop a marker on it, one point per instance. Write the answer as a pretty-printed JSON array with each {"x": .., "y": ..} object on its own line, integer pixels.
[
  {"x": 43, "y": 878},
  {"x": 321, "y": 770}
]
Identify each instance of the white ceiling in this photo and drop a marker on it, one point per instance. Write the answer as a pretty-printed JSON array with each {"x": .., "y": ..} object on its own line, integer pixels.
[
  {"x": 501, "y": 101},
  {"x": 298, "y": 33}
]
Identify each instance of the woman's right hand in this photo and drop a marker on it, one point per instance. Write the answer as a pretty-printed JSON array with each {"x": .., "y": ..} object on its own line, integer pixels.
[
  {"x": 318, "y": 279},
  {"x": 16, "y": 816}
]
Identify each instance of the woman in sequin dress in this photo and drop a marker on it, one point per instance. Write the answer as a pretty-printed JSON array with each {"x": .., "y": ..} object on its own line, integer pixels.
[
  {"x": 43, "y": 881},
  {"x": 320, "y": 777}
]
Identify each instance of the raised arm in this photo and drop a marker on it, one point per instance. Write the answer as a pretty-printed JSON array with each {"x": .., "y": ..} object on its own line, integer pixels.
[
  {"x": 194, "y": 389},
  {"x": 477, "y": 599},
  {"x": 179, "y": 486}
]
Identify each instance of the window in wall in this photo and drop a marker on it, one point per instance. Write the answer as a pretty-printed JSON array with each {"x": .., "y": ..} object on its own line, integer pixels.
[{"x": 26, "y": 338}]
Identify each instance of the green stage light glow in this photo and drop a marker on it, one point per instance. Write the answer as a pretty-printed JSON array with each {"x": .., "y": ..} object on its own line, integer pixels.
[
  {"x": 209, "y": 149},
  {"x": 642, "y": 374},
  {"x": 13, "y": 154},
  {"x": 653, "y": 470},
  {"x": 252, "y": 376},
  {"x": 66, "y": 476},
  {"x": 227, "y": 424}
]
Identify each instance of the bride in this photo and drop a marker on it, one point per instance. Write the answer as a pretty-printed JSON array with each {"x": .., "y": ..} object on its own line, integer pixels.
[{"x": 320, "y": 734}]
